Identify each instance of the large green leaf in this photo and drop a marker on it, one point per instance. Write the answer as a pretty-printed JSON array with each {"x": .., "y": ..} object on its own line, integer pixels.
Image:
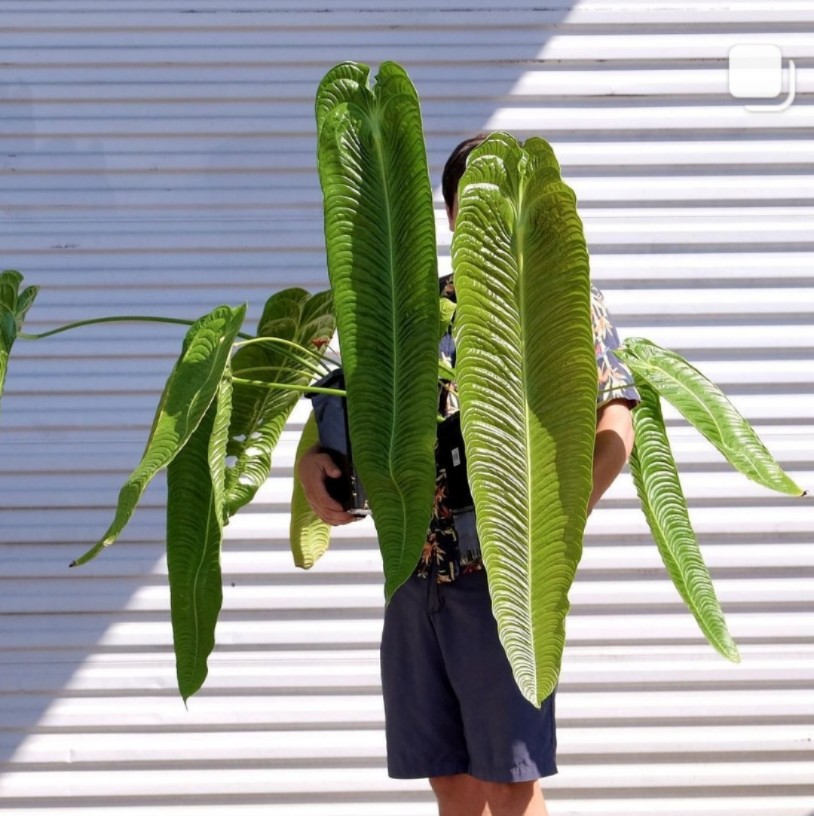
[
  {"x": 380, "y": 237},
  {"x": 190, "y": 389},
  {"x": 259, "y": 414},
  {"x": 13, "y": 308},
  {"x": 309, "y": 534},
  {"x": 526, "y": 375},
  {"x": 656, "y": 478},
  {"x": 195, "y": 494},
  {"x": 708, "y": 409}
]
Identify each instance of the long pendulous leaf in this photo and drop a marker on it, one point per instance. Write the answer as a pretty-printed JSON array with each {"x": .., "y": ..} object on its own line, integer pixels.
[
  {"x": 380, "y": 239},
  {"x": 190, "y": 389},
  {"x": 195, "y": 495},
  {"x": 309, "y": 534},
  {"x": 708, "y": 409},
  {"x": 527, "y": 381},
  {"x": 14, "y": 305},
  {"x": 656, "y": 478},
  {"x": 259, "y": 414}
]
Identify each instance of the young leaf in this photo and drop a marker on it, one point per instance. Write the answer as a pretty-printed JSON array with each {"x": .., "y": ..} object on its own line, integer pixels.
[
  {"x": 190, "y": 389},
  {"x": 527, "y": 381},
  {"x": 310, "y": 535},
  {"x": 447, "y": 308},
  {"x": 445, "y": 371},
  {"x": 259, "y": 414},
  {"x": 194, "y": 533},
  {"x": 380, "y": 237},
  {"x": 656, "y": 478},
  {"x": 708, "y": 409},
  {"x": 13, "y": 308}
]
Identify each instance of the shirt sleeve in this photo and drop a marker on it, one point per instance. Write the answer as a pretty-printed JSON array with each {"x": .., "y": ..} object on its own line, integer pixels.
[{"x": 615, "y": 378}]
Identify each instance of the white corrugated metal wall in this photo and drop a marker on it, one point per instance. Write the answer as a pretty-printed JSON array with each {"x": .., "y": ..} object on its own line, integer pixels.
[{"x": 157, "y": 157}]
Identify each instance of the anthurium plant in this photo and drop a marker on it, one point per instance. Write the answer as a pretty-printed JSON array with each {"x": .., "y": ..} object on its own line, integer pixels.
[{"x": 525, "y": 373}]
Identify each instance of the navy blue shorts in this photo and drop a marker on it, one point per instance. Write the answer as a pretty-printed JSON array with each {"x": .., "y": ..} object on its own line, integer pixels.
[{"x": 451, "y": 703}]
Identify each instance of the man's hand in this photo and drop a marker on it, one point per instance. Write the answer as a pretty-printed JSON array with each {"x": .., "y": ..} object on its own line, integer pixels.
[{"x": 314, "y": 468}]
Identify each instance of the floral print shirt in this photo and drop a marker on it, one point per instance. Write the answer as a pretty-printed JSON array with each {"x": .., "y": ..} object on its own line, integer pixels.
[{"x": 448, "y": 552}]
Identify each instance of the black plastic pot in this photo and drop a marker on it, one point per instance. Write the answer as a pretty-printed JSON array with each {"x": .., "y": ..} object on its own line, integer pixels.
[{"x": 331, "y": 414}]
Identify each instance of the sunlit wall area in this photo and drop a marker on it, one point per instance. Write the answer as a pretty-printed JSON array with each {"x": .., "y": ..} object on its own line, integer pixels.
[{"x": 158, "y": 158}]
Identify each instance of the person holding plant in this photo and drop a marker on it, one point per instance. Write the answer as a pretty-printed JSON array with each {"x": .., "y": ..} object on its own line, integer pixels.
[{"x": 453, "y": 711}]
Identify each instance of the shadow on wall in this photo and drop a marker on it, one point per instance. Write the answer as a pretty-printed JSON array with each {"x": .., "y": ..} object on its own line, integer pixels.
[{"x": 464, "y": 64}]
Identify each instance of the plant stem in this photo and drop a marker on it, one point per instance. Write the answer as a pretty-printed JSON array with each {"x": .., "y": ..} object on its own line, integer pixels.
[
  {"x": 311, "y": 352},
  {"x": 115, "y": 319},
  {"x": 291, "y": 387},
  {"x": 281, "y": 369},
  {"x": 319, "y": 369},
  {"x": 247, "y": 338}
]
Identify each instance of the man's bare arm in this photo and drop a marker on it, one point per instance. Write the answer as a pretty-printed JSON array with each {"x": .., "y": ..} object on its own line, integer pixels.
[{"x": 614, "y": 442}]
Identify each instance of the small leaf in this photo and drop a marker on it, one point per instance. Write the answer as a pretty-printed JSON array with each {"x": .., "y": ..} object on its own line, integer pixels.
[
  {"x": 190, "y": 389},
  {"x": 10, "y": 281},
  {"x": 446, "y": 371},
  {"x": 656, "y": 478},
  {"x": 194, "y": 534},
  {"x": 260, "y": 414},
  {"x": 708, "y": 409},
  {"x": 447, "y": 311},
  {"x": 310, "y": 535},
  {"x": 13, "y": 308}
]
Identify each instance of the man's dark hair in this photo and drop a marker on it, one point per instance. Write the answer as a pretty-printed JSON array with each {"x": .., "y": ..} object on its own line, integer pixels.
[{"x": 455, "y": 166}]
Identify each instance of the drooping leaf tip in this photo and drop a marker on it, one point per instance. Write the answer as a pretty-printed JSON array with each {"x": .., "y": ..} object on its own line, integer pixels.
[{"x": 186, "y": 690}]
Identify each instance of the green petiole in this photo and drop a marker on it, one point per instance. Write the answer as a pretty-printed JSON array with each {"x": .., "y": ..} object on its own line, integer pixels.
[{"x": 291, "y": 387}]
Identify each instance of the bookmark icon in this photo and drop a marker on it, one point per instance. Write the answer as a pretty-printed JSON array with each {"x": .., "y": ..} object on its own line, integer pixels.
[{"x": 756, "y": 72}]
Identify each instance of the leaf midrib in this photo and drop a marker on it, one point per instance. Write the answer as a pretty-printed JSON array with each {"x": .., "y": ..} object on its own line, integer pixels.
[
  {"x": 522, "y": 301},
  {"x": 201, "y": 560},
  {"x": 392, "y": 265}
]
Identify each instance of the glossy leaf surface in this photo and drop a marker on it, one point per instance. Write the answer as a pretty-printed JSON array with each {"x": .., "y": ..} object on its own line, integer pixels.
[
  {"x": 190, "y": 389},
  {"x": 259, "y": 414},
  {"x": 309, "y": 535},
  {"x": 195, "y": 495},
  {"x": 380, "y": 240},
  {"x": 708, "y": 409},
  {"x": 655, "y": 475},
  {"x": 527, "y": 380}
]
